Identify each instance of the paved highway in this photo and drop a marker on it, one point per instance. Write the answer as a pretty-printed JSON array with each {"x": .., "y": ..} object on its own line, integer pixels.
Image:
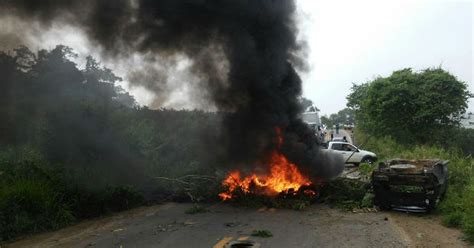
[{"x": 167, "y": 225}]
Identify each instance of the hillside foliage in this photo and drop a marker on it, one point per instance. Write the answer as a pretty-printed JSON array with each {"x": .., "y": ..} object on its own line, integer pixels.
[{"x": 74, "y": 144}]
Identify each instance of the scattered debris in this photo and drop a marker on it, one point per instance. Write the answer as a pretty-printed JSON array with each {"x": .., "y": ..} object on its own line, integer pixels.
[
  {"x": 119, "y": 230},
  {"x": 364, "y": 210},
  {"x": 262, "y": 233},
  {"x": 232, "y": 224},
  {"x": 189, "y": 223},
  {"x": 351, "y": 173},
  {"x": 345, "y": 193},
  {"x": 263, "y": 209},
  {"x": 242, "y": 243},
  {"x": 196, "y": 209},
  {"x": 171, "y": 227}
]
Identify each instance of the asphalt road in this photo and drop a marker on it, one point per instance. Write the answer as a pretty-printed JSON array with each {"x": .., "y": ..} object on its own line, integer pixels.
[
  {"x": 342, "y": 133},
  {"x": 168, "y": 225}
]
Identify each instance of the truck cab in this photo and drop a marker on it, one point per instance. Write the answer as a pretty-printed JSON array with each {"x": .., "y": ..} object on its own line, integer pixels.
[{"x": 312, "y": 119}]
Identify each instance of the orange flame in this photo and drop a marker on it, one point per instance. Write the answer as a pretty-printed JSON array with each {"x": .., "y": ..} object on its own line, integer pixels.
[{"x": 283, "y": 177}]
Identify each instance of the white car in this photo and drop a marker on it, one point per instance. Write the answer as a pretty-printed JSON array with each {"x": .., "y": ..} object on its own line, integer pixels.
[{"x": 350, "y": 153}]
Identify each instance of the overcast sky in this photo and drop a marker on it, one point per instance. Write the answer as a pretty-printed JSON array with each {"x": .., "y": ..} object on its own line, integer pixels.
[{"x": 355, "y": 41}]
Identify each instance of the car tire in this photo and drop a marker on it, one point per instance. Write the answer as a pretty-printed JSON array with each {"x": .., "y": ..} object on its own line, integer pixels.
[
  {"x": 384, "y": 206},
  {"x": 368, "y": 160}
]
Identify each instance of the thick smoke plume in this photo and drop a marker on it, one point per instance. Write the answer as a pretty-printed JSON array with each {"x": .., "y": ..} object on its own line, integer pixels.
[{"x": 243, "y": 52}]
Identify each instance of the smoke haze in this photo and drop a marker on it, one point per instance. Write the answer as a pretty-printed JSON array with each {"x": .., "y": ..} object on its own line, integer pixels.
[{"x": 241, "y": 56}]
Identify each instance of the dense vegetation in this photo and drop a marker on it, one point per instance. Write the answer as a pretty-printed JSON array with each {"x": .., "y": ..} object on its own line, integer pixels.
[
  {"x": 416, "y": 115},
  {"x": 411, "y": 107},
  {"x": 73, "y": 144}
]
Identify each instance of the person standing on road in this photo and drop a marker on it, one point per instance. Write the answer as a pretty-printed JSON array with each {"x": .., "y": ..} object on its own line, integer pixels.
[{"x": 337, "y": 128}]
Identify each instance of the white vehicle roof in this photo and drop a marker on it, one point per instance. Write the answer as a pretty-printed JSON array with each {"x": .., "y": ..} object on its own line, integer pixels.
[{"x": 340, "y": 142}]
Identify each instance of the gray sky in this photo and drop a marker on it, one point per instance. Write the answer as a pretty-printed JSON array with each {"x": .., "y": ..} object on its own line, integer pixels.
[{"x": 355, "y": 41}]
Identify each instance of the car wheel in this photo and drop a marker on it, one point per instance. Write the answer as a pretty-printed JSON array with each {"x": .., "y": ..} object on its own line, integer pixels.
[
  {"x": 382, "y": 205},
  {"x": 368, "y": 160}
]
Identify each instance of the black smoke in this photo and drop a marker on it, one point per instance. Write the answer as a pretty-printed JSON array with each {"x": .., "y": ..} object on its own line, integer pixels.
[{"x": 243, "y": 52}]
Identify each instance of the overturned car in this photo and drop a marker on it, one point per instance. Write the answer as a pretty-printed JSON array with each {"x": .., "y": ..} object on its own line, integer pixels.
[{"x": 410, "y": 185}]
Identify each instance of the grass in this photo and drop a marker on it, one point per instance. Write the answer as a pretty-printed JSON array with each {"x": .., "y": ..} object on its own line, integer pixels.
[
  {"x": 457, "y": 207},
  {"x": 36, "y": 196},
  {"x": 365, "y": 171},
  {"x": 31, "y": 205},
  {"x": 262, "y": 233}
]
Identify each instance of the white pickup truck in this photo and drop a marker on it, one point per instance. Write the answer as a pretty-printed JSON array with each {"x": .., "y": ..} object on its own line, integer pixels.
[{"x": 350, "y": 153}]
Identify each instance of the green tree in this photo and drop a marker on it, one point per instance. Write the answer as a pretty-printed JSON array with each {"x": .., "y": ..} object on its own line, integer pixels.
[
  {"x": 410, "y": 106},
  {"x": 328, "y": 122},
  {"x": 344, "y": 116}
]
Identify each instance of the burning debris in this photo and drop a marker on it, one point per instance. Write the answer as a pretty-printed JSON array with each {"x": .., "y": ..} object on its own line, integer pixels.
[
  {"x": 282, "y": 177},
  {"x": 243, "y": 54}
]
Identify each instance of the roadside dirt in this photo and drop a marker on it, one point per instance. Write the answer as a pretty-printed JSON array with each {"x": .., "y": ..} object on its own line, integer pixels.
[
  {"x": 167, "y": 225},
  {"x": 426, "y": 231}
]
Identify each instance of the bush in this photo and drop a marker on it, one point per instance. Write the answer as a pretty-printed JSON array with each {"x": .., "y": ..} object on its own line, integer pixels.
[
  {"x": 461, "y": 138},
  {"x": 31, "y": 206},
  {"x": 457, "y": 209},
  {"x": 88, "y": 203},
  {"x": 453, "y": 219},
  {"x": 32, "y": 197},
  {"x": 468, "y": 224},
  {"x": 36, "y": 196},
  {"x": 122, "y": 198}
]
